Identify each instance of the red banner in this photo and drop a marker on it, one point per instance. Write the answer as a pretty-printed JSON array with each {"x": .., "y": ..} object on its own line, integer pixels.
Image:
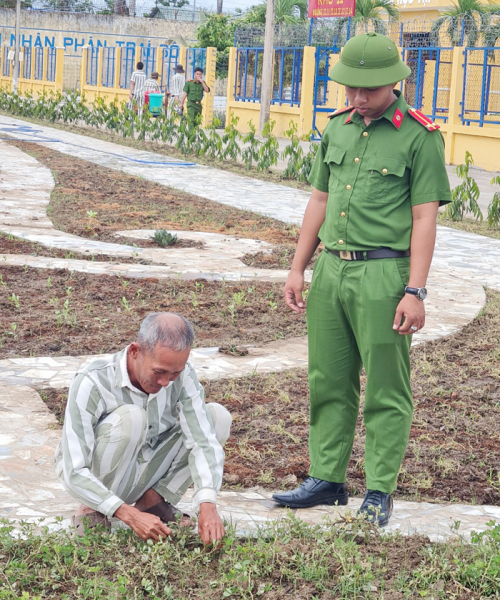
[{"x": 331, "y": 8}]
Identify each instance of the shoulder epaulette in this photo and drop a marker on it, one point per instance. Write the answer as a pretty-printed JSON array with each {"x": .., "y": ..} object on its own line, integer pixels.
[
  {"x": 340, "y": 111},
  {"x": 423, "y": 119}
]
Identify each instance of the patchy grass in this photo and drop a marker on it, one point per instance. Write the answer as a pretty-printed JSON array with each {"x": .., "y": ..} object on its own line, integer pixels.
[
  {"x": 471, "y": 226},
  {"x": 342, "y": 561}
]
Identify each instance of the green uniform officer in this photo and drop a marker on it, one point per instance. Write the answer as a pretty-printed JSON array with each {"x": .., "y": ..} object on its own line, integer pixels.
[
  {"x": 378, "y": 181},
  {"x": 193, "y": 91}
]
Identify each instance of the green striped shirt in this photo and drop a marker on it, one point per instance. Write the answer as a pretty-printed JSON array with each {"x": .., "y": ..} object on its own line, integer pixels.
[{"x": 104, "y": 385}]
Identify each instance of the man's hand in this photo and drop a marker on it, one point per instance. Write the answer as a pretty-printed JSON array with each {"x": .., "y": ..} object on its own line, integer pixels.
[
  {"x": 413, "y": 311},
  {"x": 145, "y": 525},
  {"x": 292, "y": 291},
  {"x": 210, "y": 526}
]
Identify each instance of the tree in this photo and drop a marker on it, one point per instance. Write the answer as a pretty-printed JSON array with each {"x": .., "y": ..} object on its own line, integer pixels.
[
  {"x": 12, "y": 4},
  {"x": 464, "y": 21},
  {"x": 288, "y": 12},
  {"x": 216, "y": 31},
  {"x": 367, "y": 17}
]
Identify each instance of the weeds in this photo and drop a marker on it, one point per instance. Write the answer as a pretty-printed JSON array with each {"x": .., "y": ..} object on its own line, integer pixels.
[{"x": 286, "y": 559}]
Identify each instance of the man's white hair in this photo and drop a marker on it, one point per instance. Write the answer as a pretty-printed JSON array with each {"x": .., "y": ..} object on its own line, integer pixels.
[{"x": 170, "y": 330}]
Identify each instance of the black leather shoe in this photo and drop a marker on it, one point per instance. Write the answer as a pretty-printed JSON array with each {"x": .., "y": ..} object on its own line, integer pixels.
[
  {"x": 312, "y": 492},
  {"x": 376, "y": 507}
]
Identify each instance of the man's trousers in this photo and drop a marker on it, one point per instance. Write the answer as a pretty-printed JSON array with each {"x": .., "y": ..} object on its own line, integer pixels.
[
  {"x": 128, "y": 466},
  {"x": 350, "y": 313}
]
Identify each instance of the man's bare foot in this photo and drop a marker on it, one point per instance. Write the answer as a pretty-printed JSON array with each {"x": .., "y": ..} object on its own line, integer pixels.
[
  {"x": 161, "y": 508},
  {"x": 86, "y": 517}
]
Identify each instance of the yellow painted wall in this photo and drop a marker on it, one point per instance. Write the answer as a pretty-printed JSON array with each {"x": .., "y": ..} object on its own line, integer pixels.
[{"x": 32, "y": 85}]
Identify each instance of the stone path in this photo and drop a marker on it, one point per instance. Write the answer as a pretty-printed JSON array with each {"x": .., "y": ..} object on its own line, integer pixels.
[{"x": 463, "y": 264}]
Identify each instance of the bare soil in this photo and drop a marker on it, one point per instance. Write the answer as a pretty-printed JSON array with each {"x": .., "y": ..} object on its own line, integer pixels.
[
  {"x": 454, "y": 449},
  {"x": 58, "y": 312},
  {"x": 124, "y": 202}
]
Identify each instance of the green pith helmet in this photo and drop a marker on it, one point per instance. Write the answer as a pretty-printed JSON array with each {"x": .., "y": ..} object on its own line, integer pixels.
[{"x": 369, "y": 60}]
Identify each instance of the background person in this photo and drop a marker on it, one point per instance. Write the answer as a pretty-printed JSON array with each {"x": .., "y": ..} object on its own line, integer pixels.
[
  {"x": 177, "y": 87},
  {"x": 137, "y": 82},
  {"x": 194, "y": 89},
  {"x": 137, "y": 433}
]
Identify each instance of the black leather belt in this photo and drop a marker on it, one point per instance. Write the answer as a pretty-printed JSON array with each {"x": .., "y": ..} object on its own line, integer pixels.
[{"x": 368, "y": 254}]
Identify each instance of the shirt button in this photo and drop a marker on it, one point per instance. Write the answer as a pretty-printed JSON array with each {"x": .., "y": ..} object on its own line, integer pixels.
[
  {"x": 347, "y": 187},
  {"x": 341, "y": 242},
  {"x": 356, "y": 159},
  {"x": 342, "y": 214},
  {"x": 384, "y": 171},
  {"x": 365, "y": 133}
]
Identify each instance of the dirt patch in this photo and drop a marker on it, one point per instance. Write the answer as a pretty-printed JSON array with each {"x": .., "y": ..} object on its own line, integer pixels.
[
  {"x": 95, "y": 202},
  {"x": 58, "y": 312},
  {"x": 454, "y": 449}
]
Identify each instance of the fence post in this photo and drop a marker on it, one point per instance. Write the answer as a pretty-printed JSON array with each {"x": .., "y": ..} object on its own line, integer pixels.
[
  {"x": 307, "y": 91},
  {"x": 117, "y": 73},
  {"x": 183, "y": 59},
  {"x": 207, "y": 115},
  {"x": 456, "y": 93},
  {"x": 159, "y": 62},
  {"x": 58, "y": 81},
  {"x": 231, "y": 78}
]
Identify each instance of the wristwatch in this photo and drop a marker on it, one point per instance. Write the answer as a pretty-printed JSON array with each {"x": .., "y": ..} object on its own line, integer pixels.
[{"x": 420, "y": 293}]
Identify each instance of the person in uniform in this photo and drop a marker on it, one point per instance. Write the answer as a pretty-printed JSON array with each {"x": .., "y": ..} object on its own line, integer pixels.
[
  {"x": 193, "y": 91},
  {"x": 378, "y": 180}
]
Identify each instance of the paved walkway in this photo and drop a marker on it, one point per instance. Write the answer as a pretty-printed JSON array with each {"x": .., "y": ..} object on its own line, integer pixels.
[{"x": 463, "y": 264}]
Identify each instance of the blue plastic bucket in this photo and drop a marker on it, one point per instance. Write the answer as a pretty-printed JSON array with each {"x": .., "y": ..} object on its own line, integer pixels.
[{"x": 155, "y": 103}]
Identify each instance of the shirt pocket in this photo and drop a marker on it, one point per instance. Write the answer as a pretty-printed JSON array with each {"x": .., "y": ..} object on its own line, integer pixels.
[
  {"x": 334, "y": 158},
  {"x": 385, "y": 179}
]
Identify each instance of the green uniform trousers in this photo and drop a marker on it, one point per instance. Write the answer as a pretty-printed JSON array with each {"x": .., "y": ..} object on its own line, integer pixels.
[
  {"x": 350, "y": 312},
  {"x": 194, "y": 112}
]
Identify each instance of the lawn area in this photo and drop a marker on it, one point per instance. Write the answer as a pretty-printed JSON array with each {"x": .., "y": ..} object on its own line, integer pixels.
[{"x": 345, "y": 560}]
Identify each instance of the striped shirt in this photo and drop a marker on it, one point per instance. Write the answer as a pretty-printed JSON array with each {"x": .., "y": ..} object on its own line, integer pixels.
[
  {"x": 104, "y": 385},
  {"x": 152, "y": 85},
  {"x": 139, "y": 78},
  {"x": 178, "y": 82}
]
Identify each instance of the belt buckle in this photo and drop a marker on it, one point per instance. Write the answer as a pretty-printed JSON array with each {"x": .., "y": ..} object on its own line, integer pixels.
[{"x": 346, "y": 255}]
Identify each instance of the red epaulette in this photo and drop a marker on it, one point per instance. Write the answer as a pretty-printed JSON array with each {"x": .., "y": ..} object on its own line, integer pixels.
[
  {"x": 423, "y": 119},
  {"x": 340, "y": 111}
]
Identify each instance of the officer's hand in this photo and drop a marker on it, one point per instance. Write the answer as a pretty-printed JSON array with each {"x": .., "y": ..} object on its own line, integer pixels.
[
  {"x": 412, "y": 310},
  {"x": 210, "y": 526},
  {"x": 145, "y": 525},
  {"x": 292, "y": 292}
]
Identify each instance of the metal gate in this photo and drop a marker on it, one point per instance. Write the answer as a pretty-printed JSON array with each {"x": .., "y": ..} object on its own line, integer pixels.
[{"x": 321, "y": 101}]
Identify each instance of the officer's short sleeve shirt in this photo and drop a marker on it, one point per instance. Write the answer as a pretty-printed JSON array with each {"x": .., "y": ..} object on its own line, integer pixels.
[
  {"x": 194, "y": 91},
  {"x": 374, "y": 175}
]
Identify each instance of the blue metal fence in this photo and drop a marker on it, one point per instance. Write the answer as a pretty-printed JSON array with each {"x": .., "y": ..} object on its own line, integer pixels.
[
  {"x": 92, "y": 62},
  {"x": 5, "y": 62},
  {"x": 148, "y": 57},
  {"x": 248, "y": 74},
  {"x": 425, "y": 89},
  {"x": 287, "y": 76},
  {"x": 481, "y": 90},
  {"x": 196, "y": 57},
  {"x": 108, "y": 66},
  {"x": 51, "y": 64},
  {"x": 127, "y": 66},
  {"x": 26, "y": 65},
  {"x": 321, "y": 107},
  {"x": 38, "y": 73},
  {"x": 170, "y": 60}
]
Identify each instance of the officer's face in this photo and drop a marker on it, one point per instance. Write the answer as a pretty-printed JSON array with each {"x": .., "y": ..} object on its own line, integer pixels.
[
  {"x": 151, "y": 371},
  {"x": 371, "y": 102}
]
